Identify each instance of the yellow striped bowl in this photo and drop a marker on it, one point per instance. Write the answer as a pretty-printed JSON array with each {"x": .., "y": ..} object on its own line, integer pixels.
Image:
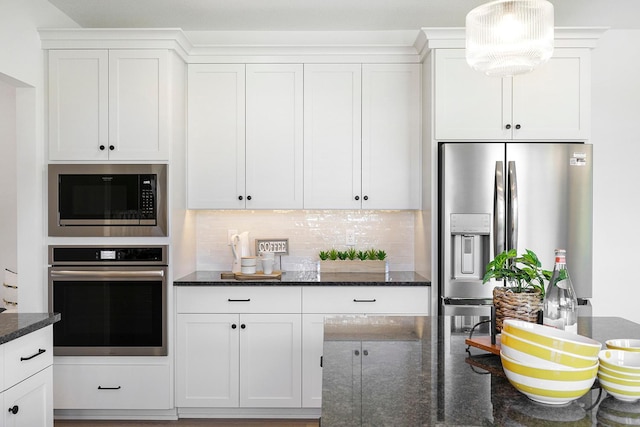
[
  {"x": 623, "y": 344},
  {"x": 553, "y": 338},
  {"x": 621, "y": 389},
  {"x": 620, "y": 360},
  {"x": 542, "y": 356},
  {"x": 549, "y": 386}
]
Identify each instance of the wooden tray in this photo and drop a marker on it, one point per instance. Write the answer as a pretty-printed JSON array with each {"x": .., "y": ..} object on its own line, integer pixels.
[
  {"x": 484, "y": 343},
  {"x": 277, "y": 275}
]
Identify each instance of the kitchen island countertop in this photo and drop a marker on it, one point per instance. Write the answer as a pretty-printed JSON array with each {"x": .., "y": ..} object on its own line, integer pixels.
[
  {"x": 15, "y": 325},
  {"x": 416, "y": 371},
  {"x": 309, "y": 278}
]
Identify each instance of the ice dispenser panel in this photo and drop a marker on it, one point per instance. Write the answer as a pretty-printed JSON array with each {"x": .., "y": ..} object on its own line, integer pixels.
[{"x": 470, "y": 245}]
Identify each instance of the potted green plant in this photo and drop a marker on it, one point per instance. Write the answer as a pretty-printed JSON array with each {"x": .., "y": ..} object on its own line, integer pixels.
[
  {"x": 523, "y": 290},
  {"x": 351, "y": 260}
]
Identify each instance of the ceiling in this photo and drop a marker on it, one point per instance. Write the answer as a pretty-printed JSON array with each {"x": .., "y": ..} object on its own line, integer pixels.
[{"x": 322, "y": 15}]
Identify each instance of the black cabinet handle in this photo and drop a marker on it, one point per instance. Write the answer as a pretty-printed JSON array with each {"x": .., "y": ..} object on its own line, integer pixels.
[
  {"x": 243, "y": 326},
  {"x": 357, "y": 352},
  {"x": 239, "y": 300},
  {"x": 321, "y": 361},
  {"x": 40, "y": 351},
  {"x": 109, "y": 388},
  {"x": 111, "y": 147},
  {"x": 233, "y": 326},
  {"x": 248, "y": 197},
  {"x": 366, "y": 197},
  {"x": 102, "y": 147},
  {"x": 365, "y": 352},
  {"x": 518, "y": 126},
  {"x": 240, "y": 197},
  {"x": 14, "y": 409},
  {"x": 364, "y": 300},
  {"x": 508, "y": 126},
  {"x": 357, "y": 197}
]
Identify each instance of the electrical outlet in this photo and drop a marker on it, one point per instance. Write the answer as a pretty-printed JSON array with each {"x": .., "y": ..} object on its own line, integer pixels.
[
  {"x": 351, "y": 237},
  {"x": 229, "y": 234}
]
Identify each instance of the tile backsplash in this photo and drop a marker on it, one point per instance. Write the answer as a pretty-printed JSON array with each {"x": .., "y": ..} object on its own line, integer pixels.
[{"x": 308, "y": 232}]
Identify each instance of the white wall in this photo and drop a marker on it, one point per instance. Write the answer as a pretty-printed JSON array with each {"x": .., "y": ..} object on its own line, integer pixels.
[
  {"x": 21, "y": 66},
  {"x": 616, "y": 140}
]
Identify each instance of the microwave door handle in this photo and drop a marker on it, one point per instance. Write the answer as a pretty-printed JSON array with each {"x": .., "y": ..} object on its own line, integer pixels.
[
  {"x": 498, "y": 210},
  {"x": 107, "y": 274},
  {"x": 512, "y": 225}
]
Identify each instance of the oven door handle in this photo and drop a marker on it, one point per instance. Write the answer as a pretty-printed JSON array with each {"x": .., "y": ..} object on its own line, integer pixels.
[{"x": 107, "y": 274}]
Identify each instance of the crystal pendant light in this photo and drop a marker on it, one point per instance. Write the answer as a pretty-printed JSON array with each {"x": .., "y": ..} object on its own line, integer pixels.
[{"x": 508, "y": 37}]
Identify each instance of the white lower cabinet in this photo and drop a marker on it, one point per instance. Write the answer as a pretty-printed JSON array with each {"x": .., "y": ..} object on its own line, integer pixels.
[
  {"x": 238, "y": 347},
  {"x": 26, "y": 385},
  {"x": 112, "y": 386},
  {"x": 30, "y": 402},
  {"x": 259, "y": 347}
]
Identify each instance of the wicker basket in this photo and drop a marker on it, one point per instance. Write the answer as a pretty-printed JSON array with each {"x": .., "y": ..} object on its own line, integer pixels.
[{"x": 523, "y": 305}]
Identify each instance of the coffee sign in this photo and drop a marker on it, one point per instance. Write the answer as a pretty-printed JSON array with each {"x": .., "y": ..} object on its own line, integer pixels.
[{"x": 277, "y": 246}]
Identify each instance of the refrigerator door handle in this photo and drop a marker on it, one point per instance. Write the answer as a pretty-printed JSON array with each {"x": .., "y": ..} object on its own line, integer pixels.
[
  {"x": 512, "y": 224},
  {"x": 498, "y": 210}
]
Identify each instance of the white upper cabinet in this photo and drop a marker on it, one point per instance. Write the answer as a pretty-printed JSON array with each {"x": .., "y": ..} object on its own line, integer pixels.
[
  {"x": 274, "y": 132},
  {"x": 216, "y": 136},
  {"x": 362, "y": 136},
  {"x": 391, "y": 136},
  {"x": 245, "y": 136},
  {"x": 550, "y": 103},
  {"x": 332, "y": 136},
  {"x": 108, "y": 105}
]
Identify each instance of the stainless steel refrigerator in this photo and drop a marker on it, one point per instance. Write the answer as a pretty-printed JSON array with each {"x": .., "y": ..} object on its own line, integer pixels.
[{"x": 499, "y": 196}]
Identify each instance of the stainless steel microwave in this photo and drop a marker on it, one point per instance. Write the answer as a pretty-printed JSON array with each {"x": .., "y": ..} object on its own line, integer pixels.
[{"x": 107, "y": 200}]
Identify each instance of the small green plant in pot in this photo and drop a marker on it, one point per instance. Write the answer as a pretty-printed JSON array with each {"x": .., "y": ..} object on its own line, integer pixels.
[{"x": 524, "y": 278}]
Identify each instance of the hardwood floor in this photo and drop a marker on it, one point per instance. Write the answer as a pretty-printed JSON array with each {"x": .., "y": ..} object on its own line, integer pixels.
[{"x": 190, "y": 422}]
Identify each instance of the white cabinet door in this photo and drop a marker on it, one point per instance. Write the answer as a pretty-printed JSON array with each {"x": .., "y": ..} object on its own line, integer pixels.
[
  {"x": 274, "y": 132},
  {"x": 216, "y": 136},
  {"x": 313, "y": 333},
  {"x": 30, "y": 402},
  {"x": 138, "y": 105},
  {"x": 332, "y": 136},
  {"x": 391, "y": 135},
  {"x": 108, "y": 105},
  {"x": 550, "y": 103},
  {"x": 207, "y": 360},
  {"x": 270, "y": 360},
  {"x": 78, "y": 104},
  {"x": 468, "y": 104},
  {"x": 553, "y": 102}
]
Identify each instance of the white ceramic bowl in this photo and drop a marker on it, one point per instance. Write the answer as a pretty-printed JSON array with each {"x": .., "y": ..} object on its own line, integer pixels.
[
  {"x": 553, "y": 338},
  {"x": 623, "y": 344},
  {"x": 542, "y": 356},
  {"x": 620, "y": 360},
  {"x": 549, "y": 386},
  {"x": 621, "y": 389}
]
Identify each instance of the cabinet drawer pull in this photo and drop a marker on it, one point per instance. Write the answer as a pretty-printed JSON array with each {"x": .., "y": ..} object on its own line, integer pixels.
[
  {"x": 239, "y": 300},
  {"x": 364, "y": 300},
  {"x": 14, "y": 409},
  {"x": 109, "y": 388},
  {"x": 40, "y": 351}
]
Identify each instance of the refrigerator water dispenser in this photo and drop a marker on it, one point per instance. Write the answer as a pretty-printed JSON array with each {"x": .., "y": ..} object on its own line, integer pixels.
[{"x": 470, "y": 245}]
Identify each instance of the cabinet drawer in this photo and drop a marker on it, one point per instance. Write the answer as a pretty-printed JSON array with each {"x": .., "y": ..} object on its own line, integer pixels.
[
  {"x": 112, "y": 387},
  {"x": 27, "y": 355},
  {"x": 239, "y": 299},
  {"x": 366, "y": 299}
]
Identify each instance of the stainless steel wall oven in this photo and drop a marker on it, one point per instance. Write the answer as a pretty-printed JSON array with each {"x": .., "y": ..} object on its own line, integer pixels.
[{"x": 112, "y": 300}]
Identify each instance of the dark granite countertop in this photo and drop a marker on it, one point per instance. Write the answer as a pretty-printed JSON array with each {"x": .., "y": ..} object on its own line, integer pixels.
[
  {"x": 416, "y": 371},
  {"x": 309, "y": 278},
  {"x": 15, "y": 325}
]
